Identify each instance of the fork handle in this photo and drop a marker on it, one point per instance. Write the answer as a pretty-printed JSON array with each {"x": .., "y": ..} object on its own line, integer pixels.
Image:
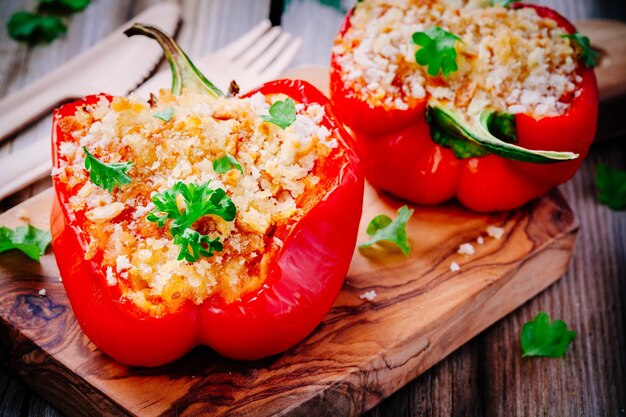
[
  {"x": 25, "y": 166},
  {"x": 29, "y": 104}
]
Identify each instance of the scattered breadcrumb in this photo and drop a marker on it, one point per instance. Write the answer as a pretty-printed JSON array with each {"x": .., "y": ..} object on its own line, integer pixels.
[
  {"x": 466, "y": 249},
  {"x": 495, "y": 232},
  {"x": 23, "y": 214},
  {"x": 60, "y": 279},
  {"x": 454, "y": 267},
  {"x": 480, "y": 240},
  {"x": 369, "y": 296},
  {"x": 42, "y": 292}
]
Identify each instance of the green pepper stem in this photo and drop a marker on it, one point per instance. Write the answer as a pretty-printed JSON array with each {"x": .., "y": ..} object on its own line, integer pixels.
[
  {"x": 185, "y": 75},
  {"x": 476, "y": 130}
]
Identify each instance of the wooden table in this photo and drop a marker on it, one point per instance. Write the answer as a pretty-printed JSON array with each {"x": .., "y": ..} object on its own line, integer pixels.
[{"x": 484, "y": 377}]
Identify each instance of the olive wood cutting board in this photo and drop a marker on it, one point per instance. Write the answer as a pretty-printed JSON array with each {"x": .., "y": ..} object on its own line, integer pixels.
[{"x": 362, "y": 352}]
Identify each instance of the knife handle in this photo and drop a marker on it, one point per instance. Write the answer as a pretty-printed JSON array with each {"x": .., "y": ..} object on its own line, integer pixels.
[
  {"x": 29, "y": 104},
  {"x": 25, "y": 166}
]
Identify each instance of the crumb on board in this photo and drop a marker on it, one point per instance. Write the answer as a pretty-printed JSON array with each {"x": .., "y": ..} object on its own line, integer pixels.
[
  {"x": 495, "y": 232},
  {"x": 454, "y": 267},
  {"x": 23, "y": 214},
  {"x": 369, "y": 295},
  {"x": 42, "y": 292},
  {"x": 466, "y": 249},
  {"x": 480, "y": 240}
]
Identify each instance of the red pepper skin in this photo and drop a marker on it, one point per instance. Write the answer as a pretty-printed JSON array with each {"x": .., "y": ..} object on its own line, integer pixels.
[
  {"x": 399, "y": 156},
  {"x": 300, "y": 288}
]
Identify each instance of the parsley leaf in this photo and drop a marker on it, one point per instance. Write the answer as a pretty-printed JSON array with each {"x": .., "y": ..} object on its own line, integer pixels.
[
  {"x": 611, "y": 184},
  {"x": 65, "y": 5},
  {"x": 503, "y": 3},
  {"x": 588, "y": 55},
  {"x": 165, "y": 114},
  {"x": 199, "y": 201},
  {"x": 30, "y": 240},
  {"x": 225, "y": 164},
  {"x": 383, "y": 228},
  {"x": 194, "y": 245},
  {"x": 437, "y": 50},
  {"x": 540, "y": 338},
  {"x": 282, "y": 113},
  {"x": 32, "y": 28},
  {"x": 107, "y": 176}
]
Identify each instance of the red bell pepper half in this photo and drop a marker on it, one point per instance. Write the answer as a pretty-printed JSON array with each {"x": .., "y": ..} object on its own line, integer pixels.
[
  {"x": 303, "y": 281},
  {"x": 399, "y": 155}
]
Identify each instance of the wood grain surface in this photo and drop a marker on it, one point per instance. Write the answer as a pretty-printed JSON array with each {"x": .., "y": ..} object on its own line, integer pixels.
[
  {"x": 486, "y": 376},
  {"x": 362, "y": 352}
]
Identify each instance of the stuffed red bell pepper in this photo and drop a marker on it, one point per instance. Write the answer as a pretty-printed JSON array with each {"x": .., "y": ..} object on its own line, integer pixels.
[
  {"x": 490, "y": 104},
  {"x": 193, "y": 218}
]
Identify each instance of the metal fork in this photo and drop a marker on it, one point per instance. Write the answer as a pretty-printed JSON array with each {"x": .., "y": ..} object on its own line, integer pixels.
[{"x": 260, "y": 55}]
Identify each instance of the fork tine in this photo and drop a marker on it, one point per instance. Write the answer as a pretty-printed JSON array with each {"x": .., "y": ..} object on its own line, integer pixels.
[
  {"x": 245, "y": 41},
  {"x": 254, "y": 51},
  {"x": 281, "y": 62},
  {"x": 271, "y": 53}
]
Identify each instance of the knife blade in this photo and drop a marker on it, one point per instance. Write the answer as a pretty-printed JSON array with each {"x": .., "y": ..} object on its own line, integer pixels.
[{"x": 115, "y": 65}]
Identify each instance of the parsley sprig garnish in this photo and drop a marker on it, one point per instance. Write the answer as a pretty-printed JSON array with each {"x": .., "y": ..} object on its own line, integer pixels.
[
  {"x": 225, "y": 164},
  {"x": 541, "y": 338},
  {"x": 28, "y": 239},
  {"x": 281, "y": 113},
  {"x": 611, "y": 183},
  {"x": 33, "y": 28},
  {"x": 588, "y": 55},
  {"x": 437, "y": 50},
  {"x": 107, "y": 176},
  {"x": 198, "y": 201},
  {"x": 383, "y": 229}
]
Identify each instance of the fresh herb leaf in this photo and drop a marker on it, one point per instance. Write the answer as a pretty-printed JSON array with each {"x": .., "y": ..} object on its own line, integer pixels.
[
  {"x": 28, "y": 239},
  {"x": 165, "y": 114},
  {"x": 198, "y": 201},
  {"x": 383, "y": 228},
  {"x": 194, "y": 245},
  {"x": 225, "y": 164},
  {"x": 503, "y": 3},
  {"x": 32, "y": 28},
  {"x": 65, "y": 5},
  {"x": 437, "y": 50},
  {"x": 540, "y": 338},
  {"x": 107, "y": 176},
  {"x": 611, "y": 184},
  {"x": 588, "y": 55},
  {"x": 282, "y": 113}
]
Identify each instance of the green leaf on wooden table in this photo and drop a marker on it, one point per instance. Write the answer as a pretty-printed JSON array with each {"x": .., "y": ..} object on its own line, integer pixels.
[
  {"x": 586, "y": 53},
  {"x": 611, "y": 184},
  {"x": 282, "y": 113},
  {"x": 107, "y": 176},
  {"x": 165, "y": 114},
  {"x": 225, "y": 164},
  {"x": 65, "y": 5},
  {"x": 32, "y": 28},
  {"x": 28, "y": 239},
  {"x": 383, "y": 229},
  {"x": 437, "y": 50},
  {"x": 541, "y": 338}
]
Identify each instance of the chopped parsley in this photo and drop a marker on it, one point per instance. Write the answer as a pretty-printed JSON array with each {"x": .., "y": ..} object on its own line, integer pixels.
[
  {"x": 165, "y": 114},
  {"x": 437, "y": 50},
  {"x": 611, "y": 183},
  {"x": 199, "y": 201},
  {"x": 541, "y": 338},
  {"x": 588, "y": 55},
  {"x": 225, "y": 164},
  {"x": 383, "y": 229},
  {"x": 281, "y": 113},
  {"x": 107, "y": 176},
  {"x": 28, "y": 239}
]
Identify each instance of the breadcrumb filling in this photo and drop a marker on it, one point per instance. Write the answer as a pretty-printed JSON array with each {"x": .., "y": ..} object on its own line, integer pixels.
[
  {"x": 509, "y": 60},
  {"x": 279, "y": 168}
]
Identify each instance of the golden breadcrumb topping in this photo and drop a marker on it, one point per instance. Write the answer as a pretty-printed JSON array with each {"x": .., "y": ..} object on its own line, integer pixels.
[
  {"x": 279, "y": 167},
  {"x": 509, "y": 60}
]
